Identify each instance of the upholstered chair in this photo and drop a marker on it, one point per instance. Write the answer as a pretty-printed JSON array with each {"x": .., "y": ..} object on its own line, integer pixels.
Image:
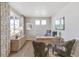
[{"x": 39, "y": 49}]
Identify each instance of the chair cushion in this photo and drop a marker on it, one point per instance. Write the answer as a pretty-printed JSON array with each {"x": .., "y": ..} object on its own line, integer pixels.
[
  {"x": 75, "y": 49},
  {"x": 68, "y": 46}
]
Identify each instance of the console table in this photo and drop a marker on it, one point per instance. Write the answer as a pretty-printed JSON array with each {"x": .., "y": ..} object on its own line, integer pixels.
[{"x": 16, "y": 44}]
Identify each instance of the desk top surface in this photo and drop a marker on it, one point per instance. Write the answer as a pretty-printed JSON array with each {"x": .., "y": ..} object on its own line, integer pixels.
[{"x": 45, "y": 37}]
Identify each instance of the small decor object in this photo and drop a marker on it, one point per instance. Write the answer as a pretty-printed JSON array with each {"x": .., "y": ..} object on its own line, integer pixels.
[
  {"x": 60, "y": 34},
  {"x": 54, "y": 33},
  {"x": 48, "y": 33},
  {"x": 60, "y": 23},
  {"x": 16, "y": 36}
]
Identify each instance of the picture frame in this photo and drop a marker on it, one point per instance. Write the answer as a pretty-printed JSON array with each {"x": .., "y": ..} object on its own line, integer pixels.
[
  {"x": 28, "y": 26},
  {"x": 60, "y": 23}
]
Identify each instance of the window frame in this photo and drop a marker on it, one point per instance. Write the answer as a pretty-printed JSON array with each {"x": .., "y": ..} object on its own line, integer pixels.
[
  {"x": 14, "y": 25},
  {"x": 36, "y": 22}
]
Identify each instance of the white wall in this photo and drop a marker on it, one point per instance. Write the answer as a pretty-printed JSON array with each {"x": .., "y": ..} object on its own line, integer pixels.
[
  {"x": 38, "y": 30},
  {"x": 71, "y": 13}
]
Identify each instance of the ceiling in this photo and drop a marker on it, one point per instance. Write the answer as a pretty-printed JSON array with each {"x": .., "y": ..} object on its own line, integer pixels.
[{"x": 38, "y": 9}]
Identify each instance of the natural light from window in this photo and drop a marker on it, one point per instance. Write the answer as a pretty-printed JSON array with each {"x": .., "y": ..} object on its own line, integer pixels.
[
  {"x": 43, "y": 22},
  {"x": 37, "y": 22},
  {"x": 14, "y": 25},
  {"x": 40, "y": 22}
]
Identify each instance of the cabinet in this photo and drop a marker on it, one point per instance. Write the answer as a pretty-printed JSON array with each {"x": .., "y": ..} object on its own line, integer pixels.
[{"x": 17, "y": 44}]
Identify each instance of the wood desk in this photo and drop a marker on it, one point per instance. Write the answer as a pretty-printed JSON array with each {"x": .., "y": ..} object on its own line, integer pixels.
[{"x": 45, "y": 39}]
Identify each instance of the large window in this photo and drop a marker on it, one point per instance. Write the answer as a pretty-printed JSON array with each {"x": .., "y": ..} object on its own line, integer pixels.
[{"x": 14, "y": 25}]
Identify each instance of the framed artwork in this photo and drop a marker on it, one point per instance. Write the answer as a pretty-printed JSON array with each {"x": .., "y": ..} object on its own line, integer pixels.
[
  {"x": 28, "y": 26},
  {"x": 60, "y": 23}
]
